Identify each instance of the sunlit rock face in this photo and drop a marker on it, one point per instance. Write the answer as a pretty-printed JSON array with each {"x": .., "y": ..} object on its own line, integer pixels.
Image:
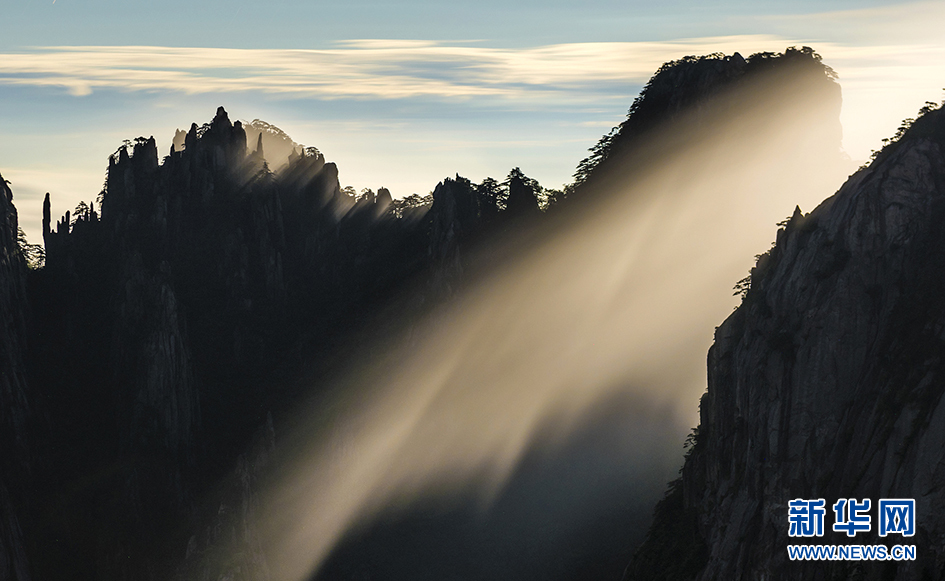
[
  {"x": 827, "y": 382},
  {"x": 16, "y": 411}
]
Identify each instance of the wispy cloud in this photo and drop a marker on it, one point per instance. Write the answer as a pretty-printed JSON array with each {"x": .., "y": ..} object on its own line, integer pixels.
[{"x": 362, "y": 69}]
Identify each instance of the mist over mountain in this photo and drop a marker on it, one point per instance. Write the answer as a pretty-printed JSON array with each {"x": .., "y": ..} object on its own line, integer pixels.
[{"x": 152, "y": 365}]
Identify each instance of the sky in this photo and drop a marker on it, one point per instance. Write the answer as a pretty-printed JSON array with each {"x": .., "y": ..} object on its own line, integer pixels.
[{"x": 404, "y": 94}]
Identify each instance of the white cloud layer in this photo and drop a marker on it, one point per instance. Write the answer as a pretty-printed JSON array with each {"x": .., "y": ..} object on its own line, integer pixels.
[
  {"x": 373, "y": 69},
  {"x": 882, "y": 83}
]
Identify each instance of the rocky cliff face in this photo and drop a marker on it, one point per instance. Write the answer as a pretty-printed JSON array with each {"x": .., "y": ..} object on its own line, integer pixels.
[
  {"x": 827, "y": 382},
  {"x": 15, "y": 408}
]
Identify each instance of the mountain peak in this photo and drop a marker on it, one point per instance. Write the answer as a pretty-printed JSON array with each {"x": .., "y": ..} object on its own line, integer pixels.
[{"x": 695, "y": 86}]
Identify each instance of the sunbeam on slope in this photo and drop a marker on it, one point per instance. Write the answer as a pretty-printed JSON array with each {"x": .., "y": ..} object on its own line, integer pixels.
[{"x": 610, "y": 307}]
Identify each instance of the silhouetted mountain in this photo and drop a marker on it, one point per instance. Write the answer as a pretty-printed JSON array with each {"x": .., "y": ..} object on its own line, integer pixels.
[
  {"x": 163, "y": 317},
  {"x": 826, "y": 383},
  {"x": 698, "y": 91},
  {"x": 166, "y": 319}
]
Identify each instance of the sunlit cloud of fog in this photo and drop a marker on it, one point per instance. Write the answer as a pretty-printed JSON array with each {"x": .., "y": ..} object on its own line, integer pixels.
[{"x": 621, "y": 299}]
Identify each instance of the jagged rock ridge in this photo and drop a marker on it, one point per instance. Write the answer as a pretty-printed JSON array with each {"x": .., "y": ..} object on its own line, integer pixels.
[{"x": 166, "y": 314}]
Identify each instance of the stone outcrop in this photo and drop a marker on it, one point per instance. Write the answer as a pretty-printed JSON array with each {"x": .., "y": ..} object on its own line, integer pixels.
[
  {"x": 455, "y": 216},
  {"x": 827, "y": 382}
]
